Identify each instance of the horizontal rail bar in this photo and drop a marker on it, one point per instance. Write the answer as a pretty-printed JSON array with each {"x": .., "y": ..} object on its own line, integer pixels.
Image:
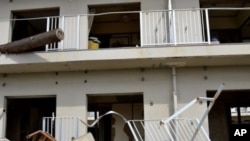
[{"x": 131, "y": 12}]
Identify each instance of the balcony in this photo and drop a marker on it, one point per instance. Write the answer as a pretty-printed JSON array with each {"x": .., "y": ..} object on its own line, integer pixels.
[
  {"x": 148, "y": 28},
  {"x": 141, "y": 39}
]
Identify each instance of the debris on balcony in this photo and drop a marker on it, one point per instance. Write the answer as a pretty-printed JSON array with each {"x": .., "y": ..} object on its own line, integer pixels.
[
  {"x": 32, "y": 42},
  {"x": 40, "y": 136},
  {"x": 93, "y": 43}
]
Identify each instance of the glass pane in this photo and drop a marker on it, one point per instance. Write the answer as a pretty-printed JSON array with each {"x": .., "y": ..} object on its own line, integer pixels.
[
  {"x": 234, "y": 115},
  {"x": 245, "y": 115},
  {"x": 91, "y": 115}
]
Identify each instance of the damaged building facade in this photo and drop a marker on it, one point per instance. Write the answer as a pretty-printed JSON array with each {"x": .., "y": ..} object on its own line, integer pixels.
[{"x": 143, "y": 59}]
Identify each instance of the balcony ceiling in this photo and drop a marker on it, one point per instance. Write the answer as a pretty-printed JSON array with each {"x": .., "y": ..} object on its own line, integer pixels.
[
  {"x": 115, "y": 8},
  {"x": 219, "y": 3},
  {"x": 224, "y": 4}
]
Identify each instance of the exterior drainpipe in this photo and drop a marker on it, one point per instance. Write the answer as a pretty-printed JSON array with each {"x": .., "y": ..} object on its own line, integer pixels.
[
  {"x": 174, "y": 100},
  {"x": 174, "y": 89},
  {"x": 169, "y": 4}
]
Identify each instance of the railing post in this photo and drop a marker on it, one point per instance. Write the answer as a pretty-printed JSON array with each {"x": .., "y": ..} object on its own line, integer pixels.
[
  {"x": 62, "y": 42},
  {"x": 208, "y": 27},
  {"x": 132, "y": 130},
  {"x": 44, "y": 120},
  {"x": 47, "y": 29},
  {"x": 174, "y": 27},
  {"x": 141, "y": 29},
  {"x": 78, "y": 32},
  {"x": 77, "y": 127}
]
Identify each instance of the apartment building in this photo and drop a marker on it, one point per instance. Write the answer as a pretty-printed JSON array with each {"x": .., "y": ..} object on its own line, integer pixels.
[{"x": 153, "y": 58}]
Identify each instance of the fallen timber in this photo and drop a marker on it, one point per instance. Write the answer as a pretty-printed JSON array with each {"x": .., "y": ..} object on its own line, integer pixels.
[{"x": 33, "y": 42}]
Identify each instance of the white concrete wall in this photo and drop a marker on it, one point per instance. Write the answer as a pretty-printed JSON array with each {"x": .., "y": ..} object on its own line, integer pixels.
[
  {"x": 187, "y": 4},
  {"x": 71, "y": 89}
]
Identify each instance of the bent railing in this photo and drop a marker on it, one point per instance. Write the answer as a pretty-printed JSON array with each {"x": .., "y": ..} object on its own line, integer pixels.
[
  {"x": 171, "y": 128},
  {"x": 68, "y": 128},
  {"x": 174, "y": 128}
]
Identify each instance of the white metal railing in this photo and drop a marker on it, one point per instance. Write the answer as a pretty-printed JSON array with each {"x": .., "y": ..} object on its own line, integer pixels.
[
  {"x": 174, "y": 128},
  {"x": 157, "y": 28},
  {"x": 171, "y": 128},
  {"x": 62, "y": 128},
  {"x": 173, "y": 27},
  {"x": 68, "y": 128},
  {"x": 154, "y": 28},
  {"x": 162, "y": 27},
  {"x": 71, "y": 25},
  {"x": 52, "y": 23}
]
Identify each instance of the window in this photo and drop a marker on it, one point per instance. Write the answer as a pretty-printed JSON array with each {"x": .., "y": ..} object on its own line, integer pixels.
[{"x": 240, "y": 114}]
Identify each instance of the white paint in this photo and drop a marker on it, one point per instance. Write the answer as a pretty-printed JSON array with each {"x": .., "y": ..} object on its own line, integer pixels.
[
  {"x": 180, "y": 4},
  {"x": 71, "y": 89}
]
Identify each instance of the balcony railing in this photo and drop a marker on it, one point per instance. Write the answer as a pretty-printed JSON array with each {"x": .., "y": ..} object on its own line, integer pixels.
[
  {"x": 161, "y": 28},
  {"x": 174, "y": 27}
]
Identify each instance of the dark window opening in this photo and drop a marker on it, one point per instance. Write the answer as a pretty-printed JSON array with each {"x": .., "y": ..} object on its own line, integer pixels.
[
  {"x": 230, "y": 112},
  {"x": 110, "y": 127},
  {"x": 31, "y": 22},
  {"x": 115, "y": 30},
  {"x": 24, "y": 115},
  {"x": 228, "y": 26}
]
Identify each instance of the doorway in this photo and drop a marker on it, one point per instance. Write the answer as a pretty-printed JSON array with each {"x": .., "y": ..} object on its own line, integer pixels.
[
  {"x": 112, "y": 127},
  {"x": 115, "y": 30},
  {"x": 24, "y": 115},
  {"x": 231, "y": 111}
]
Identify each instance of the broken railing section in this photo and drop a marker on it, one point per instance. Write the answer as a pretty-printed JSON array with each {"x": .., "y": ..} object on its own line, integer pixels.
[
  {"x": 68, "y": 128},
  {"x": 2, "y": 113},
  {"x": 33, "y": 42},
  {"x": 171, "y": 128},
  {"x": 174, "y": 128}
]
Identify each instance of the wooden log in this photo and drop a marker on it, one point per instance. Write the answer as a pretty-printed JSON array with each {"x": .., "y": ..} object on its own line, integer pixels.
[{"x": 33, "y": 42}]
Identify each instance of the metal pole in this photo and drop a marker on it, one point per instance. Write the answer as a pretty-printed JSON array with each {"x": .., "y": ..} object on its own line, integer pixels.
[
  {"x": 208, "y": 28},
  {"x": 217, "y": 94},
  {"x": 47, "y": 29},
  {"x": 132, "y": 130},
  {"x": 141, "y": 30},
  {"x": 180, "y": 111},
  {"x": 174, "y": 28},
  {"x": 44, "y": 120},
  {"x": 170, "y": 5},
  {"x": 78, "y": 32},
  {"x": 174, "y": 89},
  {"x": 175, "y": 130},
  {"x": 63, "y": 28}
]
